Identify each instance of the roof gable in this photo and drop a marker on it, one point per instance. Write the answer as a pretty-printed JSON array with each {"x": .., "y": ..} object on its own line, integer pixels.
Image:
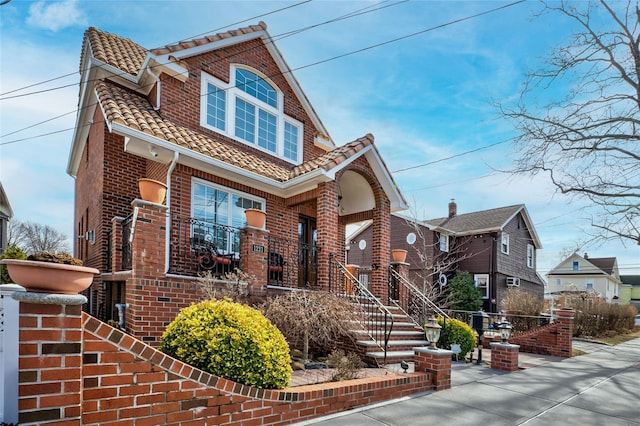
[
  {"x": 586, "y": 266},
  {"x": 5, "y": 206}
]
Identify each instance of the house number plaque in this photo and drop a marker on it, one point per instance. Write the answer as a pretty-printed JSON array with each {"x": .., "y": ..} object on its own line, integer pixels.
[{"x": 257, "y": 248}]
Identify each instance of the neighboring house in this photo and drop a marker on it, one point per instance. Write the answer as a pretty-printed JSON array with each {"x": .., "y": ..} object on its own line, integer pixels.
[
  {"x": 497, "y": 247},
  {"x": 6, "y": 213},
  {"x": 586, "y": 274},
  {"x": 630, "y": 290},
  {"x": 224, "y": 123}
]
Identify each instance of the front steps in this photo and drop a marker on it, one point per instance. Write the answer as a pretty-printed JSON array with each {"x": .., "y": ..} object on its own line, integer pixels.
[{"x": 405, "y": 336}]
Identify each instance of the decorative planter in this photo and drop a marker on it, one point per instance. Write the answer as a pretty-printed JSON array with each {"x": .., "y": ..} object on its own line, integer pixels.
[
  {"x": 255, "y": 218},
  {"x": 45, "y": 277},
  {"x": 152, "y": 190},
  {"x": 399, "y": 255}
]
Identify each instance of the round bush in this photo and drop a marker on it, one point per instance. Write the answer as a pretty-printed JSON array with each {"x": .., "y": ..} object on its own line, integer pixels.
[
  {"x": 456, "y": 331},
  {"x": 230, "y": 340}
]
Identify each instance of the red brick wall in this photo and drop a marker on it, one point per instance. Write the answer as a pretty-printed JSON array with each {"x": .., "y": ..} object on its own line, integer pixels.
[
  {"x": 552, "y": 339},
  {"x": 504, "y": 356}
]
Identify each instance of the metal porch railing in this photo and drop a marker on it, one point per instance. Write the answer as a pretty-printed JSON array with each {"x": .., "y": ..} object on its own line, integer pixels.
[
  {"x": 411, "y": 300},
  {"x": 376, "y": 318}
]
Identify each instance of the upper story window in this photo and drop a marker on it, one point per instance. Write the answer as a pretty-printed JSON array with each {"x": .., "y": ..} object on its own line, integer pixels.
[
  {"x": 558, "y": 281},
  {"x": 530, "y": 255},
  {"x": 575, "y": 265},
  {"x": 444, "y": 242},
  {"x": 589, "y": 284},
  {"x": 250, "y": 109},
  {"x": 504, "y": 246}
]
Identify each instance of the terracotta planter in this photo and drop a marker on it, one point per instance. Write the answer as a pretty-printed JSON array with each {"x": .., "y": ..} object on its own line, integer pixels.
[
  {"x": 152, "y": 190},
  {"x": 255, "y": 218},
  {"x": 399, "y": 255},
  {"x": 45, "y": 277}
]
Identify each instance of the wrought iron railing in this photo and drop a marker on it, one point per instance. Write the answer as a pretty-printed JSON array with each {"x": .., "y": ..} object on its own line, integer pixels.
[
  {"x": 411, "y": 300},
  {"x": 376, "y": 319},
  {"x": 197, "y": 246},
  {"x": 291, "y": 264},
  {"x": 126, "y": 243}
]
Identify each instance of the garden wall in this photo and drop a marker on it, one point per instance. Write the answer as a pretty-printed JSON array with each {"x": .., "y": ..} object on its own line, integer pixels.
[{"x": 77, "y": 370}]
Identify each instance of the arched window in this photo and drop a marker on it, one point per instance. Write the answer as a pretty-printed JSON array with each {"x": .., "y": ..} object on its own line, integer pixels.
[{"x": 250, "y": 109}]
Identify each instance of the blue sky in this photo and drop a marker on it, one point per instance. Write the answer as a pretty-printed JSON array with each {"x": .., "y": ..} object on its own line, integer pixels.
[{"x": 425, "y": 98}]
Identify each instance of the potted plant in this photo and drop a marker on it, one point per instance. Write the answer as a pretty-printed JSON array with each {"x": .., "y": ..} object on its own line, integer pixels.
[
  {"x": 152, "y": 190},
  {"x": 256, "y": 218},
  {"x": 399, "y": 255},
  {"x": 46, "y": 272}
]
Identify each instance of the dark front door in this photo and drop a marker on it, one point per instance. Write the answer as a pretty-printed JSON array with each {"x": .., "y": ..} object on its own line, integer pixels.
[{"x": 307, "y": 254}]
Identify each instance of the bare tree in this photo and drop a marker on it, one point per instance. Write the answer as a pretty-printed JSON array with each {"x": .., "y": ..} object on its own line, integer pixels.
[
  {"x": 585, "y": 134},
  {"x": 35, "y": 237}
]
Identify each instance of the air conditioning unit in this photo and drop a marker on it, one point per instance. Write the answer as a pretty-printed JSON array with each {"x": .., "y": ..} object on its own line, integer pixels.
[{"x": 513, "y": 282}]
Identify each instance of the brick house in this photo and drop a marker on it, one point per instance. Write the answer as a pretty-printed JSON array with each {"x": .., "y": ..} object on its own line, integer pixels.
[
  {"x": 497, "y": 247},
  {"x": 223, "y": 122},
  {"x": 586, "y": 274}
]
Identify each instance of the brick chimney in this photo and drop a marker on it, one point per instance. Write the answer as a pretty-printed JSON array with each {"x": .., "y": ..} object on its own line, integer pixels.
[{"x": 453, "y": 208}]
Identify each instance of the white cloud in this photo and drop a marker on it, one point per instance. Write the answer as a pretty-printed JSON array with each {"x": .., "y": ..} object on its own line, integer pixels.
[{"x": 56, "y": 16}]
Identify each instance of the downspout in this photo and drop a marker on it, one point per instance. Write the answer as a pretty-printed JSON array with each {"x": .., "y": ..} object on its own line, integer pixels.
[{"x": 172, "y": 167}]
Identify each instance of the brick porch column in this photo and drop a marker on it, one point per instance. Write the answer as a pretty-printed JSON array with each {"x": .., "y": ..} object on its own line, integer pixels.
[
  {"x": 436, "y": 362},
  {"x": 254, "y": 245},
  {"x": 328, "y": 225},
  {"x": 50, "y": 361},
  {"x": 504, "y": 356}
]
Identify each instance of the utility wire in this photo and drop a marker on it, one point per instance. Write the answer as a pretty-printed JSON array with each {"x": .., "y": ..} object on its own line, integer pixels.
[
  {"x": 148, "y": 51},
  {"x": 341, "y": 55},
  {"x": 357, "y": 12}
]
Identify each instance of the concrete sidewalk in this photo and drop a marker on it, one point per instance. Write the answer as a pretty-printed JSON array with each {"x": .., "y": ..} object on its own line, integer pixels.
[{"x": 599, "y": 388}]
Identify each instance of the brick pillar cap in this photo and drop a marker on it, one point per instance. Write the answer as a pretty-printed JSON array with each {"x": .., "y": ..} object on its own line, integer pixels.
[
  {"x": 141, "y": 203},
  {"x": 431, "y": 351},
  {"x": 49, "y": 299},
  {"x": 505, "y": 345}
]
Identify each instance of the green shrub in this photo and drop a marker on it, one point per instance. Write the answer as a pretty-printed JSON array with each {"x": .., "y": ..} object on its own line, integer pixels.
[
  {"x": 455, "y": 331},
  {"x": 12, "y": 252},
  {"x": 232, "y": 341},
  {"x": 463, "y": 293}
]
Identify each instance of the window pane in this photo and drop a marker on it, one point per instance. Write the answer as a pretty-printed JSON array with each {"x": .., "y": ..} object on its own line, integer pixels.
[
  {"x": 290, "y": 141},
  {"x": 216, "y": 106},
  {"x": 256, "y": 86},
  {"x": 267, "y": 130},
  {"x": 245, "y": 120}
]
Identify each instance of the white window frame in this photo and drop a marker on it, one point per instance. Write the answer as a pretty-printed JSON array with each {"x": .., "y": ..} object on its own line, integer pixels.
[
  {"x": 443, "y": 240},
  {"x": 531, "y": 253},
  {"x": 504, "y": 243},
  {"x": 232, "y": 94},
  {"x": 481, "y": 282},
  {"x": 231, "y": 193},
  {"x": 575, "y": 265},
  {"x": 558, "y": 281},
  {"x": 589, "y": 284}
]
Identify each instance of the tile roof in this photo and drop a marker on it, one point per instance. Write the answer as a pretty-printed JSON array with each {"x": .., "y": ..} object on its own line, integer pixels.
[
  {"x": 334, "y": 157},
  {"x": 134, "y": 111},
  {"x": 187, "y": 44},
  {"x": 476, "y": 221},
  {"x": 113, "y": 50}
]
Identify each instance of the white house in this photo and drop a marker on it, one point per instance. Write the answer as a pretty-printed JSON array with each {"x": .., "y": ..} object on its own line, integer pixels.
[{"x": 582, "y": 273}]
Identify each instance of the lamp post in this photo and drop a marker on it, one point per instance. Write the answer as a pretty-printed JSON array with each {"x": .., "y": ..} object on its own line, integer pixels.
[
  {"x": 505, "y": 331},
  {"x": 432, "y": 332}
]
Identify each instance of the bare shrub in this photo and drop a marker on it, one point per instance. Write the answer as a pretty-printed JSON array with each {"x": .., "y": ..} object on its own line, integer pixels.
[
  {"x": 311, "y": 318},
  {"x": 346, "y": 366},
  {"x": 595, "y": 317},
  {"x": 523, "y": 309},
  {"x": 234, "y": 285}
]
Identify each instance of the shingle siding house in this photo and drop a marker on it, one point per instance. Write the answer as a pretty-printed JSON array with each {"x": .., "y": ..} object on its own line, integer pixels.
[
  {"x": 223, "y": 122},
  {"x": 497, "y": 247},
  {"x": 586, "y": 274},
  {"x": 6, "y": 213}
]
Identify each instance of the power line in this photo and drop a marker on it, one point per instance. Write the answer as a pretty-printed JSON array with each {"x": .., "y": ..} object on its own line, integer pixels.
[
  {"x": 357, "y": 12},
  {"x": 148, "y": 51},
  {"x": 345, "y": 54},
  {"x": 453, "y": 156}
]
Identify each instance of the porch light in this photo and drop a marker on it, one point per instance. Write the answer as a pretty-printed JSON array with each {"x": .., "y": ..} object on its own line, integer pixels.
[
  {"x": 432, "y": 331},
  {"x": 505, "y": 331}
]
